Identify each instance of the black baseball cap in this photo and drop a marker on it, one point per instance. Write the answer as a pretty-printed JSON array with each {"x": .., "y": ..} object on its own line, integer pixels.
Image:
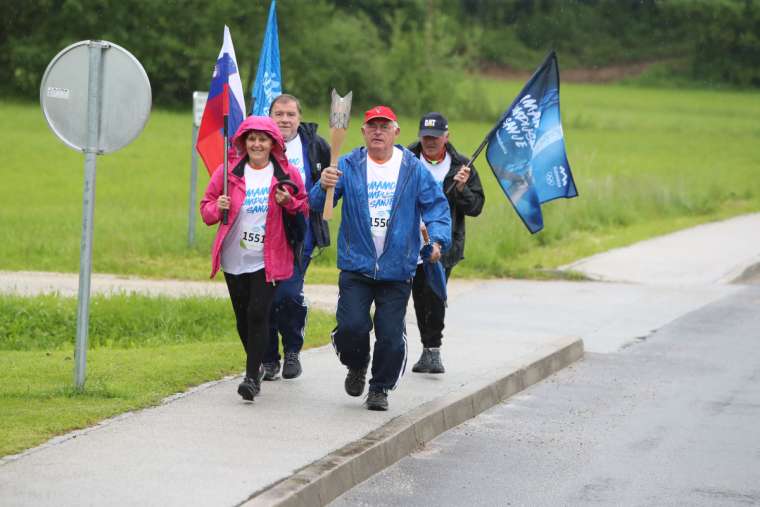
[{"x": 433, "y": 124}]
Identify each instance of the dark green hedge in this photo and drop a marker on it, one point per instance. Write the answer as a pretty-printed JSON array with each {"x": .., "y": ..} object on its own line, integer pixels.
[{"x": 411, "y": 53}]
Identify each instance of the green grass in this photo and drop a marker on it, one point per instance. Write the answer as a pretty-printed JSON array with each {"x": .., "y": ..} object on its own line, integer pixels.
[
  {"x": 645, "y": 161},
  {"x": 143, "y": 349}
]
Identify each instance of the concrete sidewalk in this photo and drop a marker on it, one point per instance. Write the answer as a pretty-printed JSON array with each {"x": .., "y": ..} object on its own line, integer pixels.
[
  {"x": 304, "y": 441},
  {"x": 718, "y": 252}
]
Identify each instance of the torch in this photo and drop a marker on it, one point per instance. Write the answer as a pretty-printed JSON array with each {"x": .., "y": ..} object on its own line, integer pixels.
[{"x": 340, "y": 112}]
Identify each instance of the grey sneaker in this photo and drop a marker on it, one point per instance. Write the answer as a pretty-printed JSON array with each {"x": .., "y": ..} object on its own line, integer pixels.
[
  {"x": 291, "y": 368},
  {"x": 355, "y": 379},
  {"x": 377, "y": 400},
  {"x": 271, "y": 370},
  {"x": 423, "y": 365},
  {"x": 434, "y": 361}
]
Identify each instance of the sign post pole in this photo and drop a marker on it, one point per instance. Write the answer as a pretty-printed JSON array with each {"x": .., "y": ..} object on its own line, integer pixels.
[
  {"x": 96, "y": 98},
  {"x": 88, "y": 211},
  {"x": 199, "y": 104}
]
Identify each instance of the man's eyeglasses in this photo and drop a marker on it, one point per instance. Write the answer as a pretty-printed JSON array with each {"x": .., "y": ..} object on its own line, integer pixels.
[{"x": 383, "y": 127}]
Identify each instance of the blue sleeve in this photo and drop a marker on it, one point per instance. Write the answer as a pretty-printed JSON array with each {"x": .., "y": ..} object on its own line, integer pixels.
[
  {"x": 317, "y": 197},
  {"x": 317, "y": 194},
  {"x": 434, "y": 208}
]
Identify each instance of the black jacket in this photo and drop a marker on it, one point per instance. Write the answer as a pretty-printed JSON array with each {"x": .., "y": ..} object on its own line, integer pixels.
[
  {"x": 468, "y": 202},
  {"x": 316, "y": 148},
  {"x": 318, "y": 152}
]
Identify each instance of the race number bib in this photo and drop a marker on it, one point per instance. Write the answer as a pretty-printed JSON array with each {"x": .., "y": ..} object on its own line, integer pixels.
[
  {"x": 379, "y": 224},
  {"x": 380, "y": 195},
  {"x": 253, "y": 239}
]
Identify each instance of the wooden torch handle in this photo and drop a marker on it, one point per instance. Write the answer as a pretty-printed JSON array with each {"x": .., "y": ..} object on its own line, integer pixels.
[
  {"x": 337, "y": 136},
  {"x": 329, "y": 200}
]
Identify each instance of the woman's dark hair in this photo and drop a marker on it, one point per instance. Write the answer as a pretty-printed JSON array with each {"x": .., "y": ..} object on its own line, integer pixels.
[
  {"x": 240, "y": 142},
  {"x": 249, "y": 132}
]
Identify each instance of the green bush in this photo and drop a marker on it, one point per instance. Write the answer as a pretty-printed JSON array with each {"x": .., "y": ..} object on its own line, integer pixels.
[
  {"x": 321, "y": 46},
  {"x": 411, "y": 54},
  {"x": 728, "y": 46}
]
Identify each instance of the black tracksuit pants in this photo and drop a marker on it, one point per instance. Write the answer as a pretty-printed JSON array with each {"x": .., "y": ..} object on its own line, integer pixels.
[{"x": 251, "y": 298}]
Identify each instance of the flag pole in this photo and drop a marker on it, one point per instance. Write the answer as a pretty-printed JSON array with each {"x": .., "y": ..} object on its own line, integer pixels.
[
  {"x": 225, "y": 213},
  {"x": 474, "y": 155}
]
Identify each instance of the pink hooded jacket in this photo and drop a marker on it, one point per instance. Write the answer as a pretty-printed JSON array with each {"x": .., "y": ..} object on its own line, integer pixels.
[{"x": 278, "y": 256}]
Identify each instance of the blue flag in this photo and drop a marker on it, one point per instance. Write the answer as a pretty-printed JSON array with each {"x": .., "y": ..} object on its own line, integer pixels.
[
  {"x": 526, "y": 149},
  {"x": 268, "y": 85},
  {"x": 436, "y": 276}
]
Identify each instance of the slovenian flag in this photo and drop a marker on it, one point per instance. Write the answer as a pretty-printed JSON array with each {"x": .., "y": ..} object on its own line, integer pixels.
[{"x": 225, "y": 99}]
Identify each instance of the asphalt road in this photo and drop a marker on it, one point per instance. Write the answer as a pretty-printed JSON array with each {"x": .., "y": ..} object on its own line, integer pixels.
[{"x": 673, "y": 419}]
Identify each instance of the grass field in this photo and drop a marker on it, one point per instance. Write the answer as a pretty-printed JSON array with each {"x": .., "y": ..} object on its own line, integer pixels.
[
  {"x": 645, "y": 161},
  {"x": 143, "y": 349}
]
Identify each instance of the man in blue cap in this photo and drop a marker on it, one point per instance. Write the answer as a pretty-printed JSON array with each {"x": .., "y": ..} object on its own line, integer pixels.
[{"x": 464, "y": 192}]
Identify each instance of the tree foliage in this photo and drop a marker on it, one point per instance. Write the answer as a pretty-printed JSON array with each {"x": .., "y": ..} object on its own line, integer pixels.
[
  {"x": 728, "y": 49},
  {"x": 412, "y": 54}
]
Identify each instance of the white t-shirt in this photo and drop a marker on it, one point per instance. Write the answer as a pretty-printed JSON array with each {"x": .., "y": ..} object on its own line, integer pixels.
[
  {"x": 439, "y": 172},
  {"x": 243, "y": 247},
  {"x": 381, "y": 185},
  {"x": 294, "y": 151}
]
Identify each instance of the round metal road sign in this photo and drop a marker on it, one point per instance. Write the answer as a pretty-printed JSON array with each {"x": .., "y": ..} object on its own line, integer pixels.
[{"x": 124, "y": 96}]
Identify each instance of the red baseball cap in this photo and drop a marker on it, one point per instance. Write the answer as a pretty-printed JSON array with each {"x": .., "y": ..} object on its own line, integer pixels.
[{"x": 379, "y": 112}]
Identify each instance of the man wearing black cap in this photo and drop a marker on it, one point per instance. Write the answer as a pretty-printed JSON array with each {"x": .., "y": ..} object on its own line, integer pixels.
[
  {"x": 464, "y": 192},
  {"x": 385, "y": 193}
]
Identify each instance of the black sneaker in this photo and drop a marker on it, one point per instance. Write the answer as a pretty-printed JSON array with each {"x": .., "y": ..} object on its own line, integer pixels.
[
  {"x": 291, "y": 368},
  {"x": 249, "y": 388},
  {"x": 423, "y": 365},
  {"x": 377, "y": 400},
  {"x": 271, "y": 370},
  {"x": 355, "y": 379},
  {"x": 434, "y": 361}
]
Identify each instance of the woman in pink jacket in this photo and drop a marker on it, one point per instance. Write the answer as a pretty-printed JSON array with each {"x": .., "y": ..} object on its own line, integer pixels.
[{"x": 252, "y": 248}]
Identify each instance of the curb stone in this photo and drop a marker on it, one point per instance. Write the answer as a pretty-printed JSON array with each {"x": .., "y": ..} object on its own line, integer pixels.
[{"x": 324, "y": 480}]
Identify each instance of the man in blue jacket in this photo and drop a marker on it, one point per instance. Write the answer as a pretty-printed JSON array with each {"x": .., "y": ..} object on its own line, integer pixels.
[
  {"x": 386, "y": 192},
  {"x": 309, "y": 153}
]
